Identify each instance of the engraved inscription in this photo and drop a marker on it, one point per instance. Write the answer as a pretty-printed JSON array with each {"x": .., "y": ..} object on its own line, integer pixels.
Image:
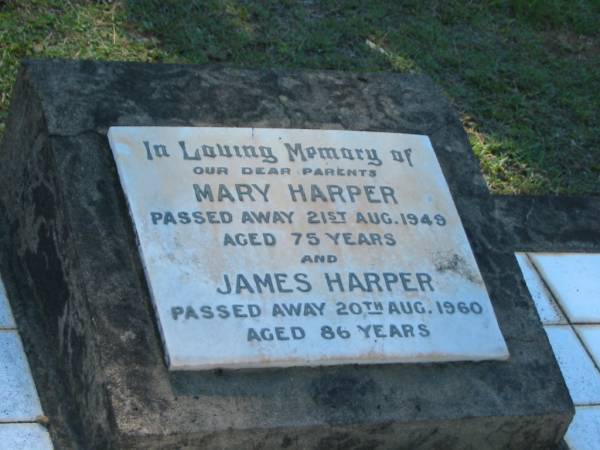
[{"x": 279, "y": 247}]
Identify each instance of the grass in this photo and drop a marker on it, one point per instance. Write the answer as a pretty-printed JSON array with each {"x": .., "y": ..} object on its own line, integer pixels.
[{"x": 523, "y": 74}]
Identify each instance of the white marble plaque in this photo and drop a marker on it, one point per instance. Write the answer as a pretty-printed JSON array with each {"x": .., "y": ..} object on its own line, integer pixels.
[{"x": 282, "y": 247}]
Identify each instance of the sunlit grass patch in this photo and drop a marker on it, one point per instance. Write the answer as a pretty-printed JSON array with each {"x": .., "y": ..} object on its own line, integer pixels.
[{"x": 526, "y": 74}]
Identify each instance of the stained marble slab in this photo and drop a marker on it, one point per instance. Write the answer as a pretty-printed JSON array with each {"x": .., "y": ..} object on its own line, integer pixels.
[
  {"x": 281, "y": 247},
  {"x": 574, "y": 279}
]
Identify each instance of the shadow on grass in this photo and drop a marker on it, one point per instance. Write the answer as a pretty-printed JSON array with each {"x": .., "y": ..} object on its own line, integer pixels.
[{"x": 523, "y": 75}]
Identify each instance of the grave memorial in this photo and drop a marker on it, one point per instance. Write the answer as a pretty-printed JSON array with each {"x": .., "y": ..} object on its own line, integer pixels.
[
  {"x": 275, "y": 247},
  {"x": 205, "y": 257}
]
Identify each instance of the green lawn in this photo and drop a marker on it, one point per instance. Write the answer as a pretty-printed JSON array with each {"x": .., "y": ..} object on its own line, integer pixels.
[{"x": 524, "y": 74}]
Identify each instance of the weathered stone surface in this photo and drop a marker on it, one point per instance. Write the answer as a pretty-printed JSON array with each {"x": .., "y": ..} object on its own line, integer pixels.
[{"x": 72, "y": 269}]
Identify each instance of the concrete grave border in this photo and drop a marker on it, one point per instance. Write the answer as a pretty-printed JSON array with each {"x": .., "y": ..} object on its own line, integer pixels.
[{"x": 71, "y": 268}]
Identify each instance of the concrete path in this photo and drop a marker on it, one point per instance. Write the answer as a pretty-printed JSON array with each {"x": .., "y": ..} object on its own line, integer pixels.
[
  {"x": 566, "y": 290},
  {"x": 20, "y": 409}
]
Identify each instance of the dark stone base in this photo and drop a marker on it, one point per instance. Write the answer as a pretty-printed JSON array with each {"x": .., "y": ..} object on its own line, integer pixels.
[{"x": 69, "y": 259}]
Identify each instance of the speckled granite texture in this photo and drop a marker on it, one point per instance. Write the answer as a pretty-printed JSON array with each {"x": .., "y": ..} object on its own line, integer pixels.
[{"x": 74, "y": 277}]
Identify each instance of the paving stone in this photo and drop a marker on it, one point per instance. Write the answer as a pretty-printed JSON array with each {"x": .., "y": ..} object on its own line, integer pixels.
[
  {"x": 580, "y": 373},
  {"x": 584, "y": 431},
  {"x": 546, "y": 306},
  {"x": 6, "y": 318},
  {"x": 18, "y": 396},
  {"x": 21, "y": 436},
  {"x": 590, "y": 335},
  {"x": 574, "y": 279}
]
